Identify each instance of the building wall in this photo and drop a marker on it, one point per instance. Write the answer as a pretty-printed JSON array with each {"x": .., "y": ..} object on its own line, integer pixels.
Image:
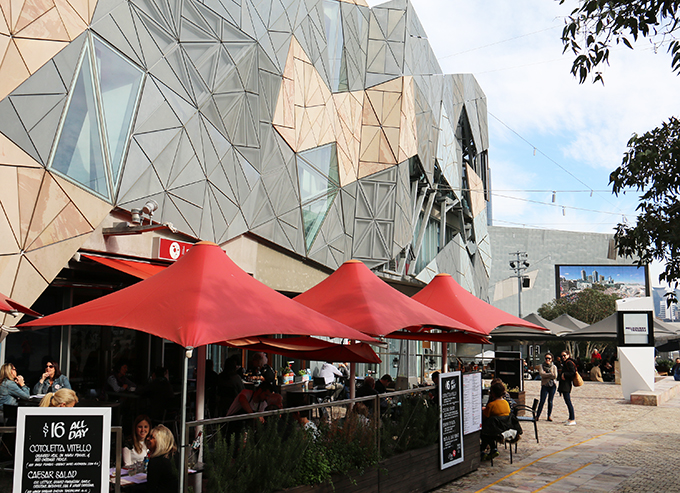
[
  {"x": 323, "y": 127},
  {"x": 546, "y": 248}
]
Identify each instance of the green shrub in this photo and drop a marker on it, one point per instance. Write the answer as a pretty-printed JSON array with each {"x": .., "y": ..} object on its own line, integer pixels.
[
  {"x": 279, "y": 454},
  {"x": 663, "y": 365}
]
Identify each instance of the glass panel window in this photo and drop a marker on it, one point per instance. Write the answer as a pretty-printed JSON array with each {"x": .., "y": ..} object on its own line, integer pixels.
[
  {"x": 79, "y": 154},
  {"x": 119, "y": 83},
  {"x": 312, "y": 183},
  {"x": 334, "y": 40},
  {"x": 313, "y": 215},
  {"x": 325, "y": 160}
]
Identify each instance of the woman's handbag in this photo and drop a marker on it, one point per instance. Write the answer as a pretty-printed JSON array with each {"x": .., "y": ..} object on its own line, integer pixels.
[{"x": 578, "y": 381}]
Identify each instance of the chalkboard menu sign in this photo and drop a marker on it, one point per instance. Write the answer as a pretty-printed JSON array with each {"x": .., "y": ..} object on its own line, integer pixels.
[
  {"x": 450, "y": 420},
  {"x": 62, "y": 450}
]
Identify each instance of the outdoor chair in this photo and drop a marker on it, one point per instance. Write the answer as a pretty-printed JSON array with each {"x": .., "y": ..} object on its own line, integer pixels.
[
  {"x": 496, "y": 428},
  {"x": 529, "y": 415}
]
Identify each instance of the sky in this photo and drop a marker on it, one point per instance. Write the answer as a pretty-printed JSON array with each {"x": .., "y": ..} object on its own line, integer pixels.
[{"x": 547, "y": 132}]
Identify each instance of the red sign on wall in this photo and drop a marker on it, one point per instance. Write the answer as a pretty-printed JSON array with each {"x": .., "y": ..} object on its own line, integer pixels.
[{"x": 172, "y": 249}]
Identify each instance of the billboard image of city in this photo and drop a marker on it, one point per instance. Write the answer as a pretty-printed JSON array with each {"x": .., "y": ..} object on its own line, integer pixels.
[
  {"x": 627, "y": 281},
  {"x": 661, "y": 308}
]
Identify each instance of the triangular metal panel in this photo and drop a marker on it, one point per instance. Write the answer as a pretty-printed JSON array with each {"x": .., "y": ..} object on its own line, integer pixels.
[
  {"x": 147, "y": 184},
  {"x": 44, "y": 131},
  {"x": 163, "y": 164},
  {"x": 45, "y": 81},
  {"x": 11, "y": 126},
  {"x": 219, "y": 223},
  {"x": 118, "y": 28},
  {"x": 135, "y": 165}
]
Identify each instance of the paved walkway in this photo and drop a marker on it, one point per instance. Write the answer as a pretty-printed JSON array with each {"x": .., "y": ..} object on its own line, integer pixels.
[{"x": 615, "y": 446}]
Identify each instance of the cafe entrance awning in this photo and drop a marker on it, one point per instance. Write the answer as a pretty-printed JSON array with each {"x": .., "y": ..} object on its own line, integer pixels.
[{"x": 138, "y": 269}]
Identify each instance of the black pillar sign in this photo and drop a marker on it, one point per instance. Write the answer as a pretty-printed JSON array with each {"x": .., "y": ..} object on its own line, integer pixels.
[
  {"x": 62, "y": 450},
  {"x": 450, "y": 420}
]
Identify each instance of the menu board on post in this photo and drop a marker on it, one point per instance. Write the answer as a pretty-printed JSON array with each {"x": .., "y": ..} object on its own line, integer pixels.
[
  {"x": 472, "y": 402},
  {"x": 450, "y": 420},
  {"x": 62, "y": 450}
]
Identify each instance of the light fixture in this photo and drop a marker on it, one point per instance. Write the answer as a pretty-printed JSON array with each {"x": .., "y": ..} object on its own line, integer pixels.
[
  {"x": 150, "y": 207},
  {"x": 395, "y": 362}
]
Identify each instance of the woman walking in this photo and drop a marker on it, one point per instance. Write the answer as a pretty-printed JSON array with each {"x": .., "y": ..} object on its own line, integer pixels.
[
  {"x": 548, "y": 373},
  {"x": 567, "y": 375}
]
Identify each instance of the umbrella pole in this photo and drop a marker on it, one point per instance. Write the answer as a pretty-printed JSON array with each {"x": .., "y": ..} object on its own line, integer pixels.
[
  {"x": 183, "y": 423},
  {"x": 352, "y": 379},
  {"x": 445, "y": 357}
]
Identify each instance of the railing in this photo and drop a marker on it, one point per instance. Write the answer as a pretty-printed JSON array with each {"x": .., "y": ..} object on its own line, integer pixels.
[{"x": 346, "y": 403}]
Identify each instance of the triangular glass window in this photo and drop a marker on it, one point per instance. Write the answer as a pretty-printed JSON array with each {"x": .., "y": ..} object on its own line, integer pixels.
[
  {"x": 325, "y": 160},
  {"x": 313, "y": 215},
  {"x": 119, "y": 82},
  {"x": 79, "y": 153},
  {"x": 312, "y": 182}
]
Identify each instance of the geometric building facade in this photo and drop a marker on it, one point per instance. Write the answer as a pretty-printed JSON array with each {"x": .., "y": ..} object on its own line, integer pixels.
[{"x": 323, "y": 127}]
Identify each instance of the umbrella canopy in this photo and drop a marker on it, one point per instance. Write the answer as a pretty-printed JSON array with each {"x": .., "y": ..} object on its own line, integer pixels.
[
  {"x": 356, "y": 297},
  {"x": 606, "y": 329},
  {"x": 446, "y": 296},
  {"x": 569, "y": 322},
  {"x": 201, "y": 299},
  {"x": 8, "y": 305},
  {"x": 508, "y": 333},
  {"x": 669, "y": 346},
  {"x": 484, "y": 356},
  {"x": 308, "y": 348}
]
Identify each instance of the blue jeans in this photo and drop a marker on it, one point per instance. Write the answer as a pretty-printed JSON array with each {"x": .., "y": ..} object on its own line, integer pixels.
[
  {"x": 547, "y": 392},
  {"x": 567, "y": 401}
]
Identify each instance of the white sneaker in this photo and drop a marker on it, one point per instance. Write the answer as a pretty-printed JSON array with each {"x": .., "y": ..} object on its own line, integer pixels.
[{"x": 571, "y": 423}]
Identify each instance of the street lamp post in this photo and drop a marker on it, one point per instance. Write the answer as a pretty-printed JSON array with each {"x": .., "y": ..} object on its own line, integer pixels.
[{"x": 519, "y": 264}]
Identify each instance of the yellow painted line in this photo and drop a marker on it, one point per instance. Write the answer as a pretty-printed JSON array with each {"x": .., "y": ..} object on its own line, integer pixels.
[
  {"x": 540, "y": 459},
  {"x": 562, "y": 477}
]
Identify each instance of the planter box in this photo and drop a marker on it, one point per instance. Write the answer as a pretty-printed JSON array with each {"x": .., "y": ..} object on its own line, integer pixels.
[
  {"x": 520, "y": 398},
  {"x": 411, "y": 472}
]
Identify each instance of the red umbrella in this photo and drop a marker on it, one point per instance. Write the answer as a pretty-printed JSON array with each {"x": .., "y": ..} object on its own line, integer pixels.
[
  {"x": 201, "y": 299},
  {"x": 446, "y": 296},
  {"x": 356, "y": 297},
  {"x": 8, "y": 305},
  {"x": 308, "y": 348}
]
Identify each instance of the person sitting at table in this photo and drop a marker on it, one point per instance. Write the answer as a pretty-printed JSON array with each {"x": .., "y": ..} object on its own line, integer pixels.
[
  {"x": 259, "y": 367},
  {"x": 12, "y": 386},
  {"x": 367, "y": 389},
  {"x": 595, "y": 373},
  {"x": 51, "y": 380},
  {"x": 506, "y": 395},
  {"x": 251, "y": 401},
  {"x": 229, "y": 385},
  {"x": 384, "y": 382},
  {"x": 159, "y": 394},
  {"x": 161, "y": 473},
  {"x": 328, "y": 372},
  {"x": 135, "y": 449},
  {"x": 60, "y": 398},
  {"x": 497, "y": 406},
  {"x": 118, "y": 381}
]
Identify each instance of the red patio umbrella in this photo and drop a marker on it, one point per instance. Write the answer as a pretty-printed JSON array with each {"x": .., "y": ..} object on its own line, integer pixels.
[
  {"x": 8, "y": 305},
  {"x": 308, "y": 348},
  {"x": 357, "y": 297},
  {"x": 446, "y": 296}
]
